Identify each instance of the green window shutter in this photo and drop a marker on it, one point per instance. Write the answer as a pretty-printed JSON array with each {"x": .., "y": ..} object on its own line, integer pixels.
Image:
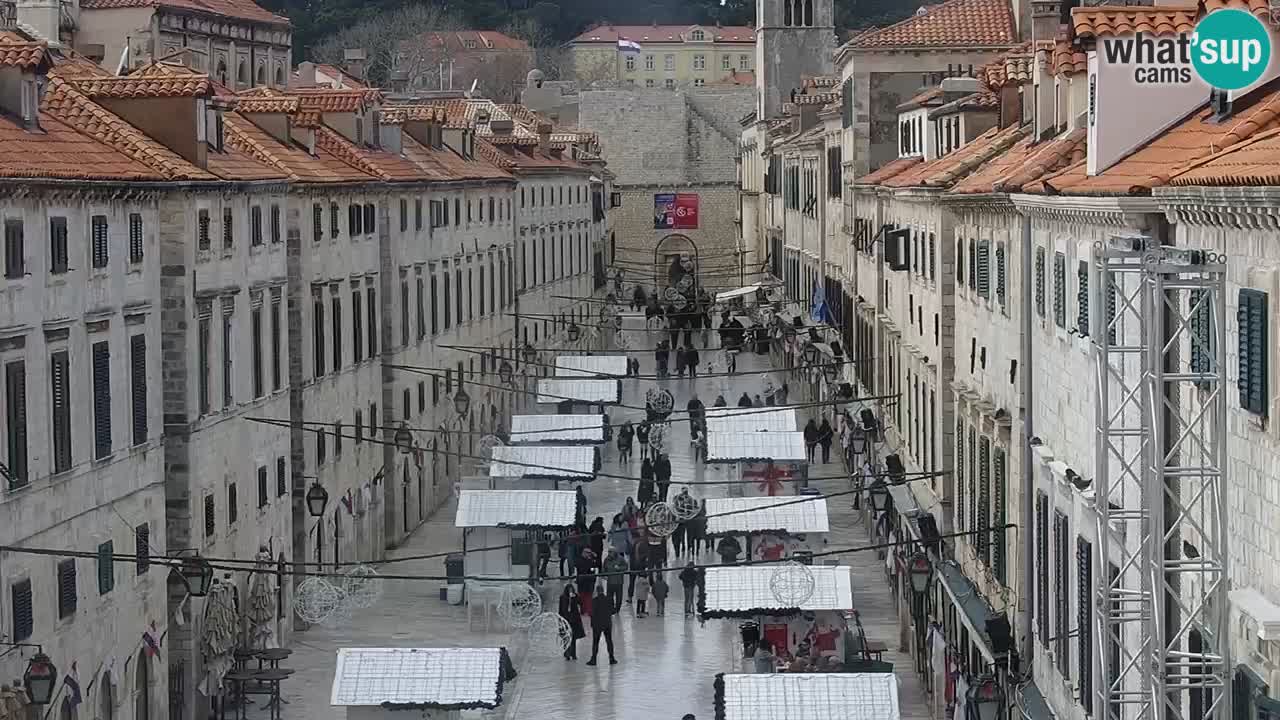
[
  {"x": 1042, "y": 567},
  {"x": 1040, "y": 281},
  {"x": 984, "y": 268},
  {"x": 1112, "y": 304},
  {"x": 1000, "y": 273},
  {"x": 973, "y": 478},
  {"x": 1201, "y": 339},
  {"x": 973, "y": 264},
  {"x": 1084, "y": 604},
  {"x": 998, "y": 499},
  {"x": 1060, "y": 289},
  {"x": 983, "y": 539},
  {"x": 1082, "y": 298},
  {"x": 1251, "y": 379},
  {"x": 106, "y": 568},
  {"x": 960, "y": 476}
]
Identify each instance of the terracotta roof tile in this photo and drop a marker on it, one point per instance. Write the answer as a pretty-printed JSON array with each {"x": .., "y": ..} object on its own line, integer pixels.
[
  {"x": 663, "y": 33},
  {"x": 932, "y": 96},
  {"x": 446, "y": 164},
  {"x": 294, "y": 160},
  {"x": 486, "y": 150},
  {"x": 307, "y": 119},
  {"x": 1066, "y": 59},
  {"x": 240, "y": 165},
  {"x": 982, "y": 101},
  {"x": 239, "y": 9},
  {"x": 973, "y": 156},
  {"x": 63, "y": 153},
  {"x": 328, "y": 100},
  {"x": 888, "y": 170},
  {"x": 1024, "y": 162},
  {"x": 287, "y": 105},
  {"x": 69, "y": 64},
  {"x": 22, "y": 54},
  {"x": 955, "y": 23},
  {"x": 996, "y": 73},
  {"x": 1158, "y": 20},
  {"x": 469, "y": 40},
  {"x": 194, "y": 85},
  {"x": 1253, "y": 162},
  {"x": 1152, "y": 165}
]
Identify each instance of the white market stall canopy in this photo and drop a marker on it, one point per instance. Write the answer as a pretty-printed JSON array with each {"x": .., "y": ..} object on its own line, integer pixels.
[
  {"x": 443, "y": 678},
  {"x": 586, "y": 390},
  {"x": 591, "y": 366},
  {"x": 780, "y": 447},
  {"x": 526, "y": 429},
  {"x": 740, "y": 292},
  {"x": 808, "y": 696},
  {"x": 576, "y": 462},
  {"x": 767, "y": 514},
  {"x": 516, "y": 508},
  {"x": 750, "y": 420},
  {"x": 745, "y": 590}
]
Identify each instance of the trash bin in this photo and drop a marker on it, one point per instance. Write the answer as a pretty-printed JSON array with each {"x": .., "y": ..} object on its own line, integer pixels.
[
  {"x": 750, "y": 637},
  {"x": 453, "y": 570}
]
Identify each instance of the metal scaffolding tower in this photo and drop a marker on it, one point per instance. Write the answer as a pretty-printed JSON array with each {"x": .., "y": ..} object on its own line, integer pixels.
[{"x": 1160, "y": 642}]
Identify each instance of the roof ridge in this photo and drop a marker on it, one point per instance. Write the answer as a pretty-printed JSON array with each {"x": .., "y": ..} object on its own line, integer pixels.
[
  {"x": 241, "y": 140},
  {"x": 863, "y": 40},
  {"x": 342, "y": 148},
  {"x": 1031, "y": 170},
  {"x": 996, "y": 144},
  {"x": 1243, "y": 144}
]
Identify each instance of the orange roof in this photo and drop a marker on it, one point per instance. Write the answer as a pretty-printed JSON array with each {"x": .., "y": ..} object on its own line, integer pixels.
[
  {"x": 738, "y": 77},
  {"x": 328, "y": 100},
  {"x": 1185, "y": 143},
  {"x": 945, "y": 170},
  {"x": 61, "y": 152},
  {"x": 1024, "y": 162},
  {"x": 378, "y": 163},
  {"x": 1066, "y": 59},
  {"x": 982, "y": 101},
  {"x": 21, "y": 53},
  {"x": 470, "y": 40},
  {"x": 192, "y": 85},
  {"x": 323, "y": 167},
  {"x": 930, "y": 96},
  {"x": 1253, "y": 162},
  {"x": 663, "y": 33},
  {"x": 288, "y": 105},
  {"x": 445, "y": 164},
  {"x": 486, "y": 150},
  {"x": 238, "y": 9},
  {"x": 955, "y": 23},
  {"x": 236, "y": 164},
  {"x": 888, "y": 170},
  {"x": 1159, "y": 20}
]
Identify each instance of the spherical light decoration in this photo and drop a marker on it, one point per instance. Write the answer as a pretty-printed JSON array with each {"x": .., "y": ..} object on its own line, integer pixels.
[
  {"x": 685, "y": 506},
  {"x": 662, "y": 402},
  {"x": 316, "y": 599},
  {"x": 792, "y": 584},
  {"x": 362, "y": 587},
  {"x": 549, "y": 634},
  {"x": 685, "y": 283},
  {"x": 486, "y": 446},
  {"x": 680, "y": 302},
  {"x": 661, "y": 520},
  {"x": 342, "y": 614},
  {"x": 519, "y": 605},
  {"x": 671, "y": 295},
  {"x": 622, "y": 341},
  {"x": 658, "y": 438}
]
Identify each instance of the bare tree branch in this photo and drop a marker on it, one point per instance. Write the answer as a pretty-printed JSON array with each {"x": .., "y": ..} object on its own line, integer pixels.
[{"x": 401, "y": 39}]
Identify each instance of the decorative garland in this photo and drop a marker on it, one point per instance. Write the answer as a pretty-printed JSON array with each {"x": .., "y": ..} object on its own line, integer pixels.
[
  {"x": 719, "y": 702},
  {"x": 704, "y": 614},
  {"x": 506, "y": 673}
]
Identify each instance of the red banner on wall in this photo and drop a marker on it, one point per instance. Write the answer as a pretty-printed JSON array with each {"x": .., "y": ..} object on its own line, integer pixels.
[{"x": 675, "y": 211}]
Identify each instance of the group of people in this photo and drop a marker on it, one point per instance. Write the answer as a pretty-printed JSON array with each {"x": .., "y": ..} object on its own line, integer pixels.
[{"x": 687, "y": 360}]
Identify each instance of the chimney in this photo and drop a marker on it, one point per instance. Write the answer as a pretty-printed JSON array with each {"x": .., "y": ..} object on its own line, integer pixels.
[
  {"x": 353, "y": 61},
  {"x": 544, "y": 137},
  {"x": 306, "y": 75},
  {"x": 1010, "y": 106},
  {"x": 43, "y": 17},
  {"x": 20, "y": 91}
]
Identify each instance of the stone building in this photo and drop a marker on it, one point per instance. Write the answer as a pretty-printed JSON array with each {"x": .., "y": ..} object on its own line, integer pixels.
[
  {"x": 796, "y": 41},
  {"x": 670, "y": 56},
  {"x": 494, "y": 62}
]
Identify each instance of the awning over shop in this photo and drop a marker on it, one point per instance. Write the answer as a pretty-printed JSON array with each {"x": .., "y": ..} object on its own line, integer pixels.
[
  {"x": 904, "y": 501},
  {"x": 516, "y": 508},
  {"x": 750, "y": 420},
  {"x": 748, "y": 515},
  {"x": 780, "y": 447},
  {"x": 553, "y": 391},
  {"x": 429, "y": 678},
  {"x": 1032, "y": 705},
  {"x": 739, "y": 292},
  {"x": 807, "y": 696},
  {"x": 591, "y": 366},
  {"x": 973, "y": 610},
  {"x": 574, "y": 462},
  {"x": 529, "y": 429},
  {"x": 746, "y": 591}
]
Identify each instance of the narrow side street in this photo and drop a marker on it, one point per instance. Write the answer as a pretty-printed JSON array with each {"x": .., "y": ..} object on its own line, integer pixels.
[{"x": 666, "y": 664}]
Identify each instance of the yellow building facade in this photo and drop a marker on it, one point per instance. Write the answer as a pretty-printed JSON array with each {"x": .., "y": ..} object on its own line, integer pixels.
[{"x": 669, "y": 56}]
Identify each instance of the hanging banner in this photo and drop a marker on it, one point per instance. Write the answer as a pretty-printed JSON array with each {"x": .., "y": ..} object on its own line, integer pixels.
[{"x": 675, "y": 211}]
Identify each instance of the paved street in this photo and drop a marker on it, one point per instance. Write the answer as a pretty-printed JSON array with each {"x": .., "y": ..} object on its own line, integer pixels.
[{"x": 666, "y": 665}]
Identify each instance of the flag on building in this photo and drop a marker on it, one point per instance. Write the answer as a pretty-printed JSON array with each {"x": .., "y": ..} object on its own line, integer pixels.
[
  {"x": 628, "y": 46},
  {"x": 72, "y": 681},
  {"x": 150, "y": 641}
]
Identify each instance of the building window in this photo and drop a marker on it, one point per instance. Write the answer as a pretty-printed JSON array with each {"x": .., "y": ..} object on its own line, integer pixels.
[
  {"x": 255, "y": 225},
  {"x": 744, "y": 62},
  {"x": 209, "y": 517},
  {"x": 1039, "y": 272},
  {"x": 404, "y": 313},
  {"x": 404, "y": 215},
  {"x": 135, "y": 238},
  {"x": 354, "y": 218},
  {"x": 57, "y": 245},
  {"x": 203, "y": 339},
  {"x": 422, "y": 396},
  {"x": 357, "y": 324},
  {"x": 23, "y": 610},
  {"x": 262, "y": 487},
  {"x": 697, "y": 35},
  {"x": 282, "y": 480},
  {"x": 67, "y": 595},
  {"x": 317, "y": 328},
  {"x": 670, "y": 83},
  {"x": 422, "y": 320},
  {"x": 372, "y": 309},
  {"x": 202, "y": 229},
  {"x": 98, "y": 236},
  {"x": 60, "y": 399},
  {"x": 669, "y": 62},
  {"x": 317, "y": 222},
  {"x": 1082, "y": 298},
  {"x": 984, "y": 269},
  {"x": 106, "y": 567},
  {"x": 335, "y": 317},
  {"x": 1084, "y": 621},
  {"x": 275, "y": 224},
  {"x": 648, "y": 65},
  {"x": 228, "y": 229},
  {"x": 1000, "y": 274},
  {"x": 726, "y": 62},
  {"x": 138, "y": 386},
  {"x": 1061, "y": 629},
  {"x": 699, "y": 62},
  {"x": 369, "y": 222},
  {"x": 15, "y": 416},
  {"x": 699, "y": 82},
  {"x": 630, "y": 62},
  {"x": 142, "y": 548},
  {"x": 255, "y": 330},
  {"x": 417, "y": 214},
  {"x": 275, "y": 339},
  {"x": 1251, "y": 378},
  {"x": 1060, "y": 289},
  {"x": 334, "y": 225},
  {"x": 228, "y": 353},
  {"x": 648, "y": 83},
  {"x": 1042, "y": 567}
]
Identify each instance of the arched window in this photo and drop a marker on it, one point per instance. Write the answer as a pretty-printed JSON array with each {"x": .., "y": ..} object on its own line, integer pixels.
[
  {"x": 786, "y": 13},
  {"x": 808, "y": 12},
  {"x": 262, "y": 75},
  {"x": 798, "y": 12},
  {"x": 142, "y": 688},
  {"x": 106, "y": 698},
  {"x": 697, "y": 35},
  {"x": 279, "y": 75},
  {"x": 221, "y": 74},
  {"x": 242, "y": 73}
]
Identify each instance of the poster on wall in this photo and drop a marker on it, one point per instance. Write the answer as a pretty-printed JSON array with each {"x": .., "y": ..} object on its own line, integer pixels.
[{"x": 675, "y": 211}]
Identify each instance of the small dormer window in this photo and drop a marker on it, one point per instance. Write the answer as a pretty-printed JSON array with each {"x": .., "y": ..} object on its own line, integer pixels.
[
  {"x": 30, "y": 101},
  {"x": 697, "y": 35}
]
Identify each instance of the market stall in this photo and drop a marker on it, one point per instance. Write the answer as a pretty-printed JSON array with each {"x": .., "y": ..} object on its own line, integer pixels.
[
  {"x": 813, "y": 626},
  {"x": 591, "y": 366},
  {"x": 747, "y": 420},
  {"x": 553, "y": 463},
  {"x": 427, "y": 683},
  {"x": 557, "y": 429},
  {"x": 807, "y": 696},
  {"x": 512, "y": 522},
  {"x": 775, "y": 527},
  {"x": 772, "y": 457},
  {"x": 569, "y": 392}
]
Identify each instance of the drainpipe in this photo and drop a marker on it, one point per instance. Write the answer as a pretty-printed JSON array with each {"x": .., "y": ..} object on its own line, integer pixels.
[{"x": 1026, "y": 548}]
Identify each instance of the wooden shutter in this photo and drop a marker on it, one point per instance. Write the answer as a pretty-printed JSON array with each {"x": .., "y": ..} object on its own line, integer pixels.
[
  {"x": 1042, "y": 567},
  {"x": 98, "y": 237},
  {"x": 973, "y": 264},
  {"x": 209, "y": 517},
  {"x": 404, "y": 215},
  {"x": 973, "y": 479},
  {"x": 138, "y": 386},
  {"x": 417, "y": 214},
  {"x": 255, "y": 225},
  {"x": 1084, "y": 622},
  {"x": 1201, "y": 338},
  {"x": 15, "y": 416},
  {"x": 1112, "y": 302},
  {"x": 228, "y": 228},
  {"x": 933, "y": 256},
  {"x": 999, "y": 497},
  {"x": 101, "y": 399},
  {"x": 66, "y": 588},
  {"x": 317, "y": 222},
  {"x": 1040, "y": 281},
  {"x": 1060, "y": 289},
  {"x": 1000, "y": 273},
  {"x": 57, "y": 245},
  {"x": 353, "y": 220},
  {"x": 335, "y": 305},
  {"x": 369, "y": 218},
  {"x": 357, "y": 320},
  {"x": 1082, "y": 298},
  {"x": 233, "y": 504},
  {"x": 106, "y": 567},
  {"x": 1061, "y": 586},
  {"x": 202, "y": 225},
  {"x": 983, "y": 539},
  {"x": 404, "y": 311},
  {"x": 23, "y": 610},
  {"x": 275, "y": 224},
  {"x": 984, "y": 268},
  {"x": 372, "y": 309},
  {"x": 262, "y": 487},
  {"x": 135, "y": 238},
  {"x": 142, "y": 548},
  {"x": 15, "y": 263},
  {"x": 317, "y": 333},
  {"x": 422, "y": 319},
  {"x": 1251, "y": 378},
  {"x": 961, "y": 478},
  {"x": 282, "y": 480},
  {"x": 59, "y": 379}
]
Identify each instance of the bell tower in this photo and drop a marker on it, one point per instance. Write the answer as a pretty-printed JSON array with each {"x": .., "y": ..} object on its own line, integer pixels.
[{"x": 795, "y": 39}]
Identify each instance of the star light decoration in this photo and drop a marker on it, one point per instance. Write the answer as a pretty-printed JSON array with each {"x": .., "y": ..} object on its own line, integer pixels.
[
  {"x": 792, "y": 584},
  {"x": 519, "y": 605},
  {"x": 316, "y": 599},
  {"x": 361, "y": 587},
  {"x": 549, "y": 634},
  {"x": 658, "y": 439}
]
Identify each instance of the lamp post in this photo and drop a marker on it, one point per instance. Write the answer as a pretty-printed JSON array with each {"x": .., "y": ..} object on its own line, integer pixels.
[
  {"x": 986, "y": 697},
  {"x": 40, "y": 679},
  {"x": 919, "y": 574},
  {"x": 505, "y": 372},
  {"x": 317, "y": 499},
  {"x": 196, "y": 574},
  {"x": 574, "y": 332},
  {"x": 461, "y": 401},
  {"x": 878, "y": 494},
  {"x": 403, "y": 439}
]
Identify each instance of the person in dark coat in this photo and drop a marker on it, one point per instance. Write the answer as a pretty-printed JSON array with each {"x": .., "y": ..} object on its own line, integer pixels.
[
  {"x": 645, "y": 495},
  {"x": 601, "y": 624},
  {"x": 637, "y": 299},
  {"x": 810, "y": 437},
  {"x": 662, "y": 356},
  {"x": 825, "y": 434},
  {"x": 639, "y": 560},
  {"x": 697, "y": 414},
  {"x": 744, "y": 401},
  {"x": 586, "y": 578},
  {"x": 626, "y": 439},
  {"x": 662, "y": 473},
  {"x": 728, "y": 550},
  {"x": 596, "y": 533},
  {"x": 581, "y": 499},
  {"x": 691, "y": 360},
  {"x": 642, "y": 437},
  {"x": 697, "y": 531},
  {"x": 571, "y": 611},
  {"x": 680, "y": 361},
  {"x": 689, "y": 581}
]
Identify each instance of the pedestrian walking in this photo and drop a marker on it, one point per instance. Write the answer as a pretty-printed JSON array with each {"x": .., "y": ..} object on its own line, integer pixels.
[
  {"x": 646, "y": 483},
  {"x": 782, "y": 394},
  {"x": 642, "y": 594},
  {"x": 697, "y": 413},
  {"x": 680, "y": 361},
  {"x": 629, "y": 510},
  {"x": 699, "y": 443},
  {"x": 633, "y": 365},
  {"x": 639, "y": 558},
  {"x": 744, "y": 401},
  {"x": 689, "y": 581},
  {"x": 732, "y": 353},
  {"x": 728, "y": 550},
  {"x": 810, "y": 437},
  {"x": 642, "y": 437},
  {"x": 678, "y": 536},
  {"x": 620, "y": 536},
  {"x": 580, "y": 498},
  {"x": 691, "y": 359},
  {"x": 637, "y": 298},
  {"x": 544, "y": 555},
  {"x": 697, "y": 530},
  {"x": 601, "y": 624},
  {"x": 825, "y": 435},
  {"x": 562, "y": 549},
  {"x": 661, "y": 355},
  {"x": 596, "y": 535},
  {"x": 626, "y": 437},
  {"x": 656, "y": 556},
  {"x": 660, "y": 590},
  {"x": 757, "y": 402},
  {"x": 764, "y": 660},
  {"x": 571, "y": 611},
  {"x": 586, "y": 579},
  {"x": 662, "y": 473},
  {"x": 615, "y": 569}
]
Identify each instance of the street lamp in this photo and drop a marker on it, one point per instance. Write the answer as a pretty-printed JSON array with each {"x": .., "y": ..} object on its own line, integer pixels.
[
  {"x": 985, "y": 696},
  {"x": 40, "y": 679},
  {"x": 809, "y": 355},
  {"x": 403, "y": 439},
  {"x": 574, "y": 332},
  {"x": 920, "y": 570},
  {"x": 317, "y": 499},
  {"x": 461, "y": 401},
  {"x": 197, "y": 575},
  {"x": 879, "y": 495},
  {"x": 830, "y": 371},
  {"x": 530, "y": 354},
  {"x": 505, "y": 372}
]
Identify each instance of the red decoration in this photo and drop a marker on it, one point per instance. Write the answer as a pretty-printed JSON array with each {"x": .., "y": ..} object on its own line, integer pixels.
[{"x": 771, "y": 478}]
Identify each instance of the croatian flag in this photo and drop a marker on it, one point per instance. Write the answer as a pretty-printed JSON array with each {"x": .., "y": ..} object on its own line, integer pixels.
[
  {"x": 150, "y": 641},
  {"x": 628, "y": 46},
  {"x": 72, "y": 682}
]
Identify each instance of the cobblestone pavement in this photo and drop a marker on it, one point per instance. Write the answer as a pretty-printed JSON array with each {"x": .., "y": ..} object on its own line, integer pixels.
[{"x": 666, "y": 664}]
